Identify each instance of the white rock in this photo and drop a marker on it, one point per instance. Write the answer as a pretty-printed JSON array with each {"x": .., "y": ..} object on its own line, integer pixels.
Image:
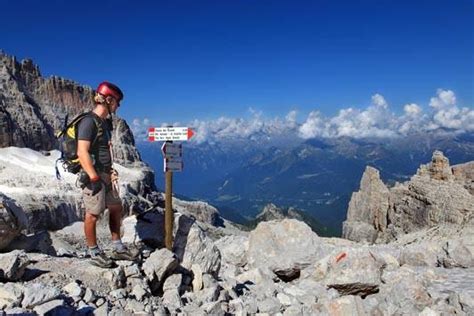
[
  {"x": 193, "y": 246},
  {"x": 55, "y": 307},
  {"x": 132, "y": 270},
  {"x": 428, "y": 312},
  {"x": 160, "y": 263},
  {"x": 285, "y": 247},
  {"x": 74, "y": 289},
  {"x": 37, "y": 294},
  {"x": 135, "y": 306},
  {"x": 139, "y": 291},
  {"x": 89, "y": 296},
  {"x": 100, "y": 301},
  {"x": 172, "y": 300},
  {"x": 136, "y": 231},
  {"x": 11, "y": 293},
  {"x": 269, "y": 305},
  {"x": 346, "y": 305},
  {"x": 351, "y": 271},
  {"x": 284, "y": 299},
  {"x": 118, "y": 294},
  {"x": 197, "y": 280},
  {"x": 173, "y": 282},
  {"x": 234, "y": 249},
  {"x": 13, "y": 265},
  {"x": 256, "y": 276}
]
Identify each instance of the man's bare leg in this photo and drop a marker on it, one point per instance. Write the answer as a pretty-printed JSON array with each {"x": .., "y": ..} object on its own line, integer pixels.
[
  {"x": 90, "y": 222},
  {"x": 115, "y": 219},
  {"x": 120, "y": 252}
]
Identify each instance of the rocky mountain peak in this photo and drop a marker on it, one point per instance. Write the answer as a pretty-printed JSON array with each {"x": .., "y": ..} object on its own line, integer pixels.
[
  {"x": 437, "y": 169},
  {"x": 368, "y": 208},
  {"x": 435, "y": 196},
  {"x": 270, "y": 212}
]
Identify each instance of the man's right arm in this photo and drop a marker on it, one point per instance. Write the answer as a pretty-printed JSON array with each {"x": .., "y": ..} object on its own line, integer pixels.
[
  {"x": 86, "y": 132},
  {"x": 85, "y": 158}
]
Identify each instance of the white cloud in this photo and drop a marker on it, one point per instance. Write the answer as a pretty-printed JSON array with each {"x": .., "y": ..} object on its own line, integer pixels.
[
  {"x": 374, "y": 121},
  {"x": 140, "y": 127},
  {"x": 448, "y": 115},
  {"x": 314, "y": 126},
  {"x": 412, "y": 110},
  {"x": 291, "y": 118},
  {"x": 379, "y": 100},
  {"x": 444, "y": 99}
]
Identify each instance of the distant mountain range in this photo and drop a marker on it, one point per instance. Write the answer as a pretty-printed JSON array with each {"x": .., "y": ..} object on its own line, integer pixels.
[{"x": 317, "y": 176}]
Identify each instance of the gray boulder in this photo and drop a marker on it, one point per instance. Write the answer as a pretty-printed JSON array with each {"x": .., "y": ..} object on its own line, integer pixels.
[
  {"x": 193, "y": 246},
  {"x": 158, "y": 266},
  {"x": 54, "y": 307},
  {"x": 403, "y": 292},
  {"x": 233, "y": 249},
  {"x": 346, "y": 305},
  {"x": 202, "y": 211},
  {"x": 149, "y": 230},
  {"x": 172, "y": 300},
  {"x": 351, "y": 272},
  {"x": 11, "y": 295},
  {"x": 37, "y": 294},
  {"x": 13, "y": 265},
  {"x": 420, "y": 254},
  {"x": 12, "y": 221},
  {"x": 285, "y": 247}
]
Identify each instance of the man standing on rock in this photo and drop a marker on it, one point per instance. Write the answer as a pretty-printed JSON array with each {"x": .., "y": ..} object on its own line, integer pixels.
[{"x": 98, "y": 178}]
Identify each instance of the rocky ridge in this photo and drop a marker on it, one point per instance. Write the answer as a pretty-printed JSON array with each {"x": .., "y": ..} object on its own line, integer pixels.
[
  {"x": 437, "y": 195},
  {"x": 273, "y": 212}
]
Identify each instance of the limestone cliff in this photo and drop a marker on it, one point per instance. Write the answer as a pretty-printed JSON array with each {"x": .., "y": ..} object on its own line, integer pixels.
[
  {"x": 437, "y": 195},
  {"x": 33, "y": 108}
]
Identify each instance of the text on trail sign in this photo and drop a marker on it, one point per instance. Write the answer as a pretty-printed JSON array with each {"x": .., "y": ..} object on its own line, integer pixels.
[
  {"x": 169, "y": 134},
  {"x": 173, "y": 165},
  {"x": 172, "y": 150}
]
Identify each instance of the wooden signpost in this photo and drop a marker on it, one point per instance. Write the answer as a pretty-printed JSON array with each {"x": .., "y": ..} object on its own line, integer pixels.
[{"x": 172, "y": 162}]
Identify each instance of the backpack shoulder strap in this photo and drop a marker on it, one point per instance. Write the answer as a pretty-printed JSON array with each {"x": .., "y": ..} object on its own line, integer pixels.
[
  {"x": 73, "y": 122},
  {"x": 98, "y": 125}
]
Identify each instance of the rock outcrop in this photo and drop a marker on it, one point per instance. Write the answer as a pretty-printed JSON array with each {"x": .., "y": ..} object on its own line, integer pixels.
[
  {"x": 12, "y": 221},
  {"x": 438, "y": 195},
  {"x": 368, "y": 208}
]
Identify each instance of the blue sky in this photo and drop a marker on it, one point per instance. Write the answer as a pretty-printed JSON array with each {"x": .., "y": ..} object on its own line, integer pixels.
[{"x": 184, "y": 60}]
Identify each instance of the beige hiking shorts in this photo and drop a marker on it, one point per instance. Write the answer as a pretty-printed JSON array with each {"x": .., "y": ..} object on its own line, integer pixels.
[{"x": 105, "y": 197}]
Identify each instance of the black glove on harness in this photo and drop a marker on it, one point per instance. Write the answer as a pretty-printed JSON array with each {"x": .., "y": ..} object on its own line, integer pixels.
[{"x": 94, "y": 186}]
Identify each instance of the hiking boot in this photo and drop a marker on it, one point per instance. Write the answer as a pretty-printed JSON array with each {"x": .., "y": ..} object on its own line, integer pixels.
[
  {"x": 124, "y": 254},
  {"x": 99, "y": 259}
]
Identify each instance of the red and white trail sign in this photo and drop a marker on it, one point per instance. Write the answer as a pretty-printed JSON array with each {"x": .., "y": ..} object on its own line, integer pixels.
[{"x": 156, "y": 134}]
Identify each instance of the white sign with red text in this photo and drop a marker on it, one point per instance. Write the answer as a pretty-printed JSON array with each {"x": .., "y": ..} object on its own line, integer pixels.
[{"x": 156, "y": 134}]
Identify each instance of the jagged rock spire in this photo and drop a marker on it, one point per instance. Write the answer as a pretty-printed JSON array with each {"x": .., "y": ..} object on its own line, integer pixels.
[{"x": 438, "y": 168}]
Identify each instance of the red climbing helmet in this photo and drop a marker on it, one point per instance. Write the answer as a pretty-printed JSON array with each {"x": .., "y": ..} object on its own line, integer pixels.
[{"x": 109, "y": 89}]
